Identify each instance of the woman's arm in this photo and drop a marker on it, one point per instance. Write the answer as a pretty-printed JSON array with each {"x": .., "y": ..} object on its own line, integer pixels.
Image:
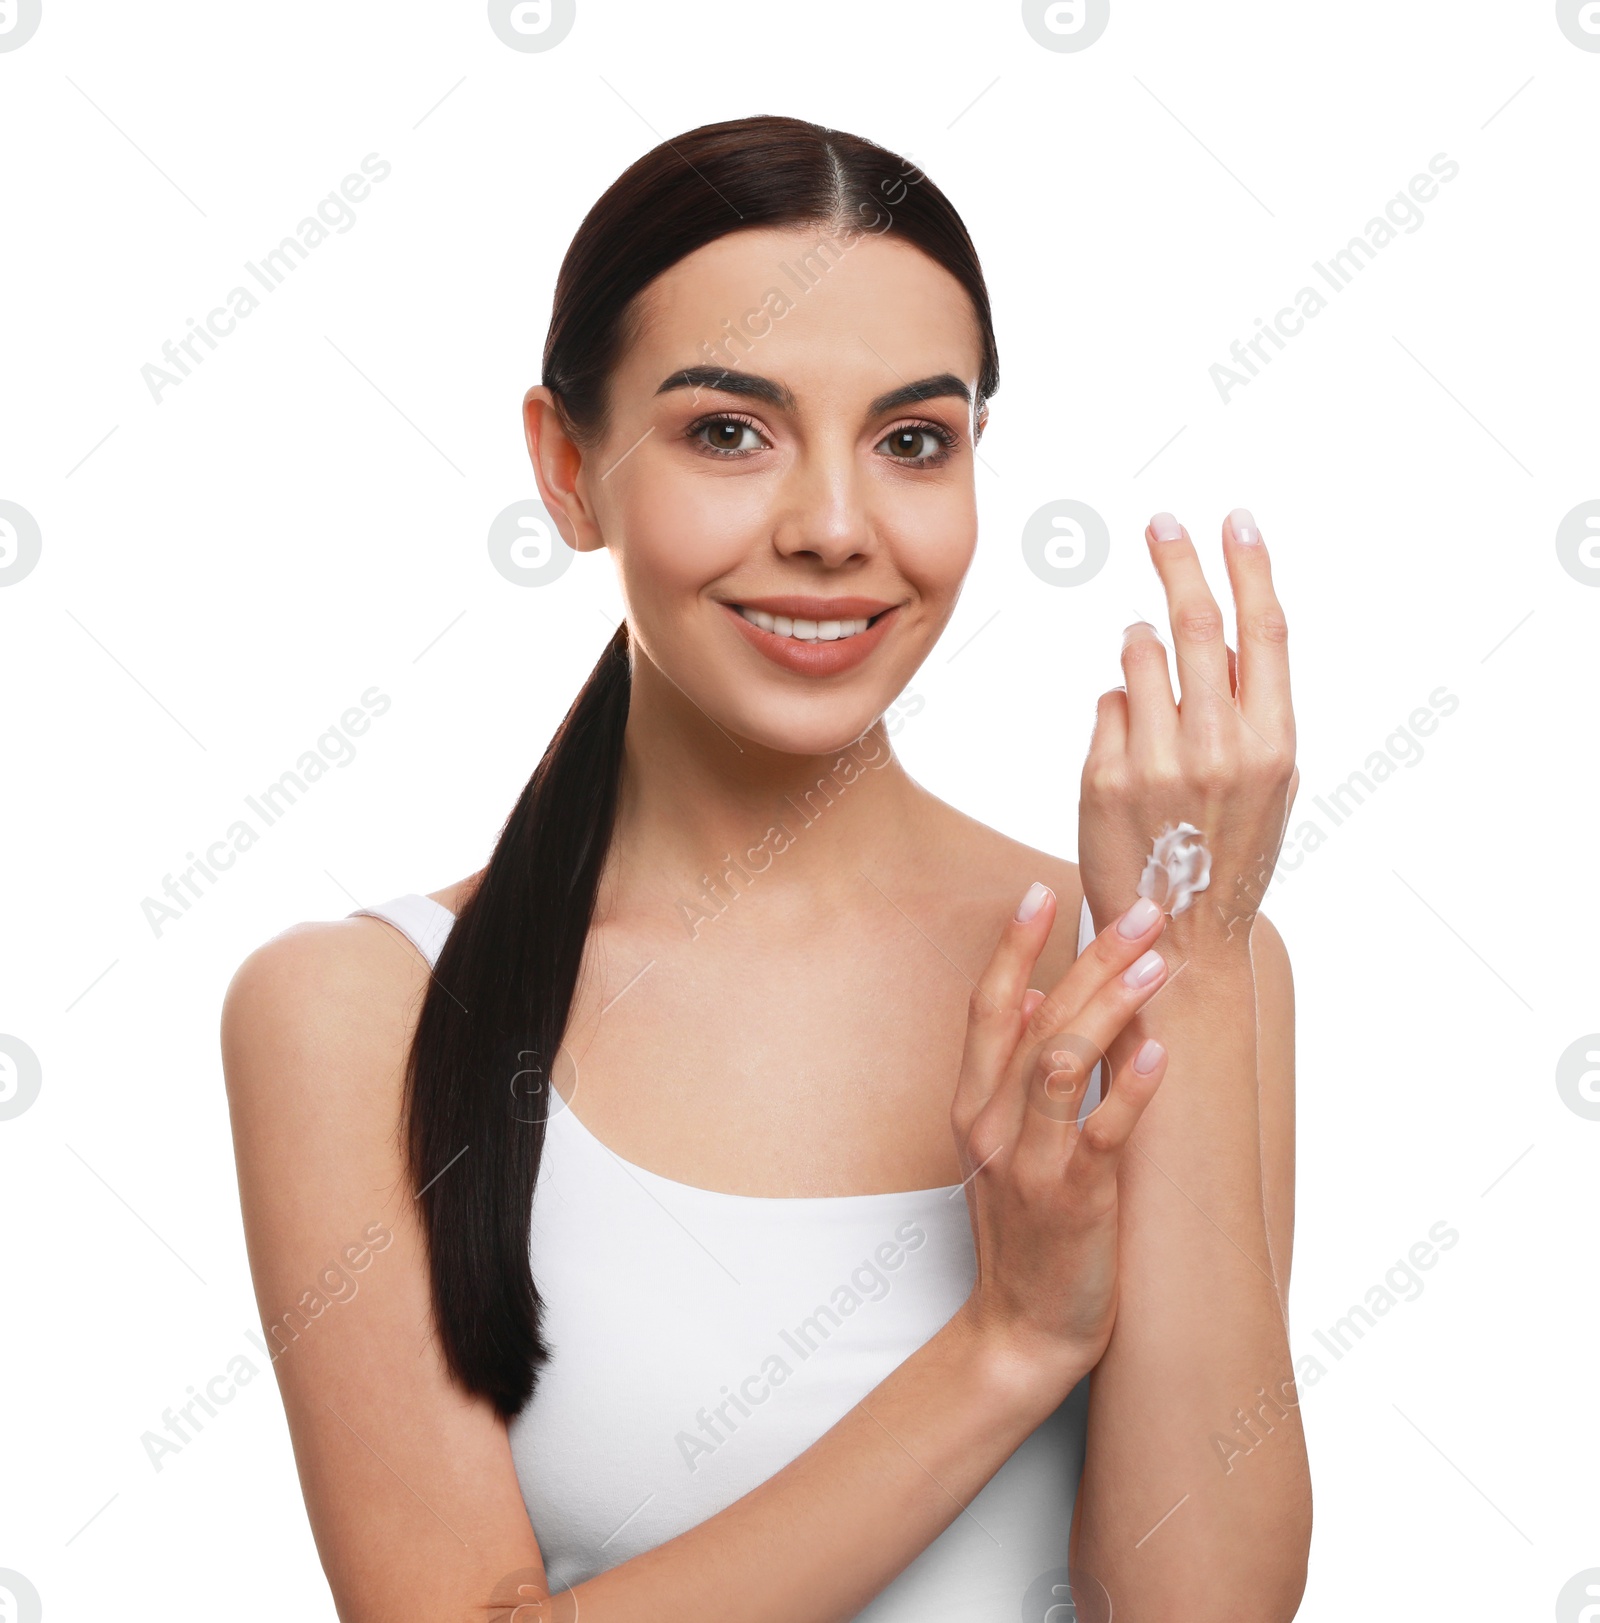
[
  {"x": 1197, "y": 1493},
  {"x": 1196, "y": 1497},
  {"x": 409, "y": 1485}
]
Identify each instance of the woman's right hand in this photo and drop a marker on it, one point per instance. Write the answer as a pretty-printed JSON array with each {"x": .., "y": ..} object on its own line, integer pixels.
[{"x": 1041, "y": 1192}]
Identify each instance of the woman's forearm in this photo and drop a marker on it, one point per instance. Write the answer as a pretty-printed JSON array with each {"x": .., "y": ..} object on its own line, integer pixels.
[
  {"x": 816, "y": 1541},
  {"x": 1196, "y": 1497}
]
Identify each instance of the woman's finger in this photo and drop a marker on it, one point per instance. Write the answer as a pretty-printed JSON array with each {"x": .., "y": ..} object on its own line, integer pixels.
[
  {"x": 1068, "y": 1034},
  {"x": 1091, "y": 1170},
  {"x": 1110, "y": 739},
  {"x": 1197, "y": 629},
  {"x": 994, "y": 1010},
  {"x": 1152, "y": 710},
  {"x": 1263, "y": 633},
  {"x": 1095, "y": 973}
]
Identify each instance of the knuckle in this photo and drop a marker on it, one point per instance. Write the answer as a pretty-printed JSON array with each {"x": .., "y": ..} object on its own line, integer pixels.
[
  {"x": 1051, "y": 1016},
  {"x": 1097, "y": 1137},
  {"x": 1210, "y": 766},
  {"x": 1058, "y": 1081},
  {"x": 1269, "y": 626},
  {"x": 1068, "y": 1056},
  {"x": 984, "y": 1008},
  {"x": 1035, "y": 1184},
  {"x": 1164, "y": 776},
  {"x": 1271, "y": 770},
  {"x": 962, "y": 1115},
  {"x": 984, "y": 1142},
  {"x": 1200, "y": 623},
  {"x": 1103, "y": 779}
]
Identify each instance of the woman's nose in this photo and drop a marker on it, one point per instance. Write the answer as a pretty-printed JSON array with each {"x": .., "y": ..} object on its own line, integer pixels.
[{"x": 823, "y": 511}]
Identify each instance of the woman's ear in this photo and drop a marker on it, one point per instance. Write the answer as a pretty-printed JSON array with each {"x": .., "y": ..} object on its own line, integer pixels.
[
  {"x": 982, "y": 421},
  {"x": 557, "y": 462}
]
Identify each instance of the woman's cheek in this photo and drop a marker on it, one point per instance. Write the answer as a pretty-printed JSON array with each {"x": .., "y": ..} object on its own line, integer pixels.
[
  {"x": 679, "y": 541},
  {"x": 936, "y": 555}
]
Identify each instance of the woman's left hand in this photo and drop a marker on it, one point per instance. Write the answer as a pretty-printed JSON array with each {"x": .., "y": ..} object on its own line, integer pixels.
[{"x": 1221, "y": 758}]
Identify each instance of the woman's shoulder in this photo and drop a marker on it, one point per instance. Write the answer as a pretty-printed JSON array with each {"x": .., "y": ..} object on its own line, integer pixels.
[
  {"x": 325, "y": 997},
  {"x": 315, "y": 968}
]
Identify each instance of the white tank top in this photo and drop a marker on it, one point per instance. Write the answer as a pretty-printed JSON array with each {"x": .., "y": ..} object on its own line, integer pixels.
[{"x": 702, "y": 1340}]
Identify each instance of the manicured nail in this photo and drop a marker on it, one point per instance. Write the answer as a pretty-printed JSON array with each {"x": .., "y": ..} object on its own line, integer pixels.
[
  {"x": 1138, "y": 919},
  {"x": 1032, "y": 901},
  {"x": 1244, "y": 527},
  {"x": 1164, "y": 527},
  {"x": 1148, "y": 1057},
  {"x": 1144, "y": 970}
]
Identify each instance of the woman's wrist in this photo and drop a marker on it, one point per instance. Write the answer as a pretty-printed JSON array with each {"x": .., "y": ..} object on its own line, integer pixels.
[{"x": 1018, "y": 1372}]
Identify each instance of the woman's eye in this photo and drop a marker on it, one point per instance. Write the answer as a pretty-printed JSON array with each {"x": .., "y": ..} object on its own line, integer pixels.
[
  {"x": 725, "y": 434},
  {"x": 912, "y": 444}
]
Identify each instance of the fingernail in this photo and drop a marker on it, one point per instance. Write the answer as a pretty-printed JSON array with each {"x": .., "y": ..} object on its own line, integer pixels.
[
  {"x": 1164, "y": 527},
  {"x": 1148, "y": 1057},
  {"x": 1144, "y": 970},
  {"x": 1032, "y": 901},
  {"x": 1138, "y": 919},
  {"x": 1244, "y": 527},
  {"x": 1133, "y": 631}
]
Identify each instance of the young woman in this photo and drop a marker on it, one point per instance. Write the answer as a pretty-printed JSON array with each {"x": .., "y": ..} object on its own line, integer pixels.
[{"x": 730, "y": 1188}]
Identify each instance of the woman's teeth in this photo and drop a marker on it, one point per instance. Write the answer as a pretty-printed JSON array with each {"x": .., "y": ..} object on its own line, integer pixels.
[{"x": 803, "y": 630}]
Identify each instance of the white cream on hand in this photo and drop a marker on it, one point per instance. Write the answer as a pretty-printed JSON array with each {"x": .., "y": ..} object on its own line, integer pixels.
[{"x": 1177, "y": 869}]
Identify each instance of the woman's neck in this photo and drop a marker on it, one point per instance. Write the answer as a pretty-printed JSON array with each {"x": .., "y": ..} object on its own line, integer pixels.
[{"x": 703, "y": 813}]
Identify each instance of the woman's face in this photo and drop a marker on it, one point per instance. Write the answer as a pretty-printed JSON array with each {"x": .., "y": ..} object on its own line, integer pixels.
[{"x": 768, "y": 450}]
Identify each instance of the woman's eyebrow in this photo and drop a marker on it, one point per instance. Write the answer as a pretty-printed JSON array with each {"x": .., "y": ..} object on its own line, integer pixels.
[{"x": 754, "y": 387}]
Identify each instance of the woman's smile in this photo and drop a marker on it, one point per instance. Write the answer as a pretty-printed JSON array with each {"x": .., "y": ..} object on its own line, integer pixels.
[{"x": 813, "y": 636}]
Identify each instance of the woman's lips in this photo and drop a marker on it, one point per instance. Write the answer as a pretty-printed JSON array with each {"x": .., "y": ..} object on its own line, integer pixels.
[{"x": 814, "y": 658}]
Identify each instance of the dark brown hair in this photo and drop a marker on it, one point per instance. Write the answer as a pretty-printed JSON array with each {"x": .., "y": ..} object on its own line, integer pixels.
[{"x": 478, "y": 1081}]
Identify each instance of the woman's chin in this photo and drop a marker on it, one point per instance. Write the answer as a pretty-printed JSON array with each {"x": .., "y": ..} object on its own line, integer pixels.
[{"x": 813, "y": 734}]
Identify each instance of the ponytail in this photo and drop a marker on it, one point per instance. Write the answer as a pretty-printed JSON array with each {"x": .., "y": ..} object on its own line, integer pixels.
[{"x": 479, "y": 1079}]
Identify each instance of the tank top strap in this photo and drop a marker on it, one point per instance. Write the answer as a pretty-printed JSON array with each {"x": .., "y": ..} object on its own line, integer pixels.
[{"x": 423, "y": 921}]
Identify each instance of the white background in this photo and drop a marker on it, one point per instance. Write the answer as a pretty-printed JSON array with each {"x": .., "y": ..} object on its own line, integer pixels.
[{"x": 305, "y": 518}]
